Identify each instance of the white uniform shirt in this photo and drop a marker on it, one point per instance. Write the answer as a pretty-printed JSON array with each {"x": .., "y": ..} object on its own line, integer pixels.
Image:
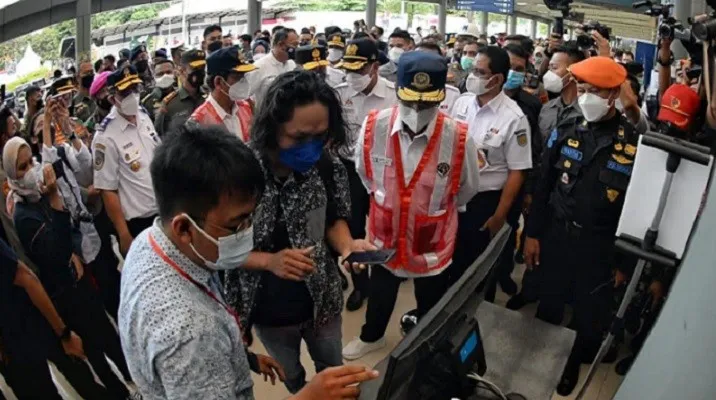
[
  {"x": 451, "y": 95},
  {"x": 502, "y": 133},
  {"x": 335, "y": 76},
  {"x": 122, "y": 154},
  {"x": 231, "y": 121},
  {"x": 268, "y": 69},
  {"x": 411, "y": 151},
  {"x": 357, "y": 105}
]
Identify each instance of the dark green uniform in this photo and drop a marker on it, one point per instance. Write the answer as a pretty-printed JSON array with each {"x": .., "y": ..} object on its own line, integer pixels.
[
  {"x": 175, "y": 109},
  {"x": 83, "y": 107},
  {"x": 152, "y": 101}
]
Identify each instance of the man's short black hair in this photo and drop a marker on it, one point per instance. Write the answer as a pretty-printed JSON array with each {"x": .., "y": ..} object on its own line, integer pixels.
[
  {"x": 246, "y": 37},
  {"x": 499, "y": 60},
  {"x": 97, "y": 65},
  {"x": 379, "y": 29},
  {"x": 431, "y": 46},
  {"x": 281, "y": 35},
  {"x": 572, "y": 50},
  {"x": 57, "y": 74},
  {"x": 197, "y": 165},
  {"x": 360, "y": 35},
  {"x": 517, "y": 50},
  {"x": 305, "y": 31},
  {"x": 628, "y": 52},
  {"x": 110, "y": 58},
  {"x": 32, "y": 89},
  {"x": 211, "y": 29},
  {"x": 228, "y": 36},
  {"x": 277, "y": 28},
  {"x": 401, "y": 34},
  {"x": 618, "y": 53}
]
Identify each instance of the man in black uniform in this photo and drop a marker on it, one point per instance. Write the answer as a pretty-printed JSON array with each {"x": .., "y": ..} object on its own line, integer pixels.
[
  {"x": 178, "y": 106},
  {"x": 586, "y": 168}
]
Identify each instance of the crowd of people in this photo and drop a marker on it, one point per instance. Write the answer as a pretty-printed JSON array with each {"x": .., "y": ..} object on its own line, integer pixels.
[{"x": 235, "y": 179}]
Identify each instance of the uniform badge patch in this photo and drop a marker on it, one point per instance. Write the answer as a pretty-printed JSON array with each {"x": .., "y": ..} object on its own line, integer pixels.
[
  {"x": 630, "y": 150},
  {"x": 618, "y": 147},
  {"x": 567, "y": 164},
  {"x": 552, "y": 138},
  {"x": 98, "y": 159},
  {"x": 621, "y": 159},
  {"x": 521, "y": 138},
  {"x": 565, "y": 178},
  {"x": 612, "y": 195},
  {"x": 443, "y": 169},
  {"x": 574, "y": 154},
  {"x": 573, "y": 143},
  {"x": 134, "y": 166}
]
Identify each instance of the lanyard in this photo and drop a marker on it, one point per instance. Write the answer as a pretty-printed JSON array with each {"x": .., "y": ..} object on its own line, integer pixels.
[{"x": 157, "y": 249}]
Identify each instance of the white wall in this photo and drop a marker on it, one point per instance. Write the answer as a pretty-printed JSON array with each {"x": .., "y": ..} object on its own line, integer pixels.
[{"x": 678, "y": 360}]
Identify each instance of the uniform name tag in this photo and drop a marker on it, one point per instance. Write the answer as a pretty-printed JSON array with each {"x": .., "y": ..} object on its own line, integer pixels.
[
  {"x": 615, "y": 166},
  {"x": 572, "y": 153},
  {"x": 381, "y": 160}
]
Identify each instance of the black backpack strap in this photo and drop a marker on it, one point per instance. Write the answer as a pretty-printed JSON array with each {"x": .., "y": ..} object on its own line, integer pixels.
[
  {"x": 63, "y": 156},
  {"x": 325, "y": 170}
]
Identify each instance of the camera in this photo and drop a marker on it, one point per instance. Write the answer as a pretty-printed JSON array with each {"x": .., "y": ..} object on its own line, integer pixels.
[
  {"x": 559, "y": 5},
  {"x": 669, "y": 28},
  {"x": 704, "y": 26},
  {"x": 585, "y": 40}
]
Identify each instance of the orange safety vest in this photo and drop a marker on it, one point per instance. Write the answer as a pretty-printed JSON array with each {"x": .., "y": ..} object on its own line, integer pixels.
[
  {"x": 419, "y": 220},
  {"x": 205, "y": 114}
]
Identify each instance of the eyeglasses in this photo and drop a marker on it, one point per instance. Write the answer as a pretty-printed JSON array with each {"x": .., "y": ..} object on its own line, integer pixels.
[{"x": 245, "y": 224}]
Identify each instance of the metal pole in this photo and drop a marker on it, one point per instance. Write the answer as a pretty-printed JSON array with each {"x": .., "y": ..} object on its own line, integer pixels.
[
  {"x": 442, "y": 17},
  {"x": 513, "y": 24},
  {"x": 83, "y": 41},
  {"x": 483, "y": 22},
  {"x": 371, "y": 12},
  {"x": 184, "y": 33},
  {"x": 253, "y": 17},
  {"x": 533, "y": 28}
]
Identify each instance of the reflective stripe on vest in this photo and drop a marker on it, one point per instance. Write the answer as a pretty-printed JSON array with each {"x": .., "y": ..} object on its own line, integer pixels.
[
  {"x": 205, "y": 114},
  {"x": 417, "y": 218}
]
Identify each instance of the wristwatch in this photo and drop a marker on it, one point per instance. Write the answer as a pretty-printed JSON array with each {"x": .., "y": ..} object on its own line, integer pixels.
[{"x": 66, "y": 333}]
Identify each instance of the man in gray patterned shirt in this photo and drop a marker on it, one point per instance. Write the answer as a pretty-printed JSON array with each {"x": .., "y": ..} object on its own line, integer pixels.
[{"x": 180, "y": 338}]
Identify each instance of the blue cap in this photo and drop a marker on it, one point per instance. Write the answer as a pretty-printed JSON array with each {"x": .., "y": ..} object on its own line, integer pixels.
[
  {"x": 123, "y": 78},
  {"x": 227, "y": 59},
  {"x": 137, "y": 51},
  {"x": 421, "y": 77}
]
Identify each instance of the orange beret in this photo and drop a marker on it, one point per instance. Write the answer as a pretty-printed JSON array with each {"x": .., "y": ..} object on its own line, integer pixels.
[{"x": 602, "y": 72}]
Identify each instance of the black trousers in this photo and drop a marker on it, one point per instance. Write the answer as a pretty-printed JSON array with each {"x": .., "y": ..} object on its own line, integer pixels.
[
  {"x": 471, "y": 240},
  {"x": 81, "y": 309},
  {"x": 506, "y": 263},
  {"x": 30, "y": 378},
  {"x": 576, "y": 265},
  {"x": 137, "y": 225},
  {"x": 360, "y": 203},
  {"x": 104, "y": 267},
  {"x": 384, "y": 292}
]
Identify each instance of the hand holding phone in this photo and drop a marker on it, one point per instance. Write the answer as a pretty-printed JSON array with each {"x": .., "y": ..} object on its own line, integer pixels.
[{"x": 372, "y": 257}]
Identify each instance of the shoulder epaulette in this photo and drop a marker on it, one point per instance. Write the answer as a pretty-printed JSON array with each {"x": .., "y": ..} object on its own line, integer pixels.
[{"x": 170, "y": 97}]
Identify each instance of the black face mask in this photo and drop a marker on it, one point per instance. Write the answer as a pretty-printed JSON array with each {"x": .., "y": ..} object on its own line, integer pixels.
[
  {"x": 104, "y": 104},
  {"x": 304, "y": 43},
  {"x": 213, "y": 46},
  {"x": 87, "y": 81},
  {"x": 196, "y": 78},
  {"x": 141, "y": 66},
  {"x": 39, "y": 104},
  {"x": 291, "y": 53}
]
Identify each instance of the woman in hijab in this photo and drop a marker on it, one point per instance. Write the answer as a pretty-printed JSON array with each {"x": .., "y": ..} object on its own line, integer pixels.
[{"x": 52, "y": 242}]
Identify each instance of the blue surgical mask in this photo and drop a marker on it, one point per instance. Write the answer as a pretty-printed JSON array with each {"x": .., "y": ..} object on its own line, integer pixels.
[
  {"x": 302, "y": 156},
  {"x": 467, "y": 63},
  {"x": 514, "y": 80}
]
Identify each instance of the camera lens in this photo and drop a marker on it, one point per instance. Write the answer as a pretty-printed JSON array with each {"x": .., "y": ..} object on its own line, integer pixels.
[
  {"x": 665, "y": 31},
  {"x": 705, "y": 30},
  {"x": 585, "y": 41}
]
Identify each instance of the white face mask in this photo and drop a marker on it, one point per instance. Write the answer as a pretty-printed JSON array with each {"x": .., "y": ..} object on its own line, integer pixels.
[
  {"x": 234, "y": 249},
  {"x": 593, "y": 107},
  {"x": 166, "y": 81},
  {"x": 395, "y": 53},
  {"x": 239, "y": 90},
  {"x": 259, "y": 56},
  {"x": 334, "y": 55},
  {"x": 477, "y": 85},
  {"x": 357, "y": 81},
  {"x": 416, "y": 120},
  {"x": 619, "y": 106},
  {"x": 130, "y": 104},
  {"x": 553, "y": 83}
]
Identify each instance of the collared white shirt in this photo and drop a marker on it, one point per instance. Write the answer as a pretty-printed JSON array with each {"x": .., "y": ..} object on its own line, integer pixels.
[
  {"x": 335, "y": 76},
  {"x": 502, "y": 133},
  {"x": 268, "y": 69},
  {"x": 357, "y": 105},
  {"x": 231, "y": 121},
  {"x": 451, "y": 95},
  {"x": 122, "y": 154}
]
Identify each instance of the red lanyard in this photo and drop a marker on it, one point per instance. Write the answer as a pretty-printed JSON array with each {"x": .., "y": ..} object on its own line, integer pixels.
[{"x": 157, "y": 249}]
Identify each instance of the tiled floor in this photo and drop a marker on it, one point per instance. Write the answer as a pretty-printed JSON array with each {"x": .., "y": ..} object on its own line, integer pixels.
[{"x": 603, "y": 386}]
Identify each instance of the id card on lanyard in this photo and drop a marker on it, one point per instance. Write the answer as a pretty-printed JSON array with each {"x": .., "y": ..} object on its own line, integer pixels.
[{"x": 157, "y": 249}]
